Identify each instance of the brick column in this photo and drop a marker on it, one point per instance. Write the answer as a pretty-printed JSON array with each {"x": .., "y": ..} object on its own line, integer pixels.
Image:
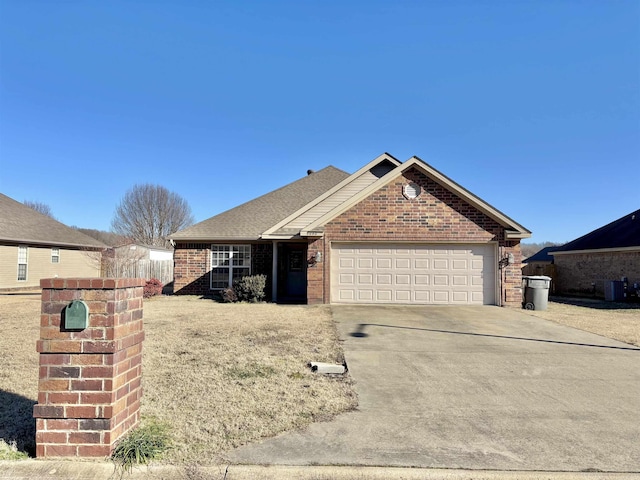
[{"x": 90, "y": 379}]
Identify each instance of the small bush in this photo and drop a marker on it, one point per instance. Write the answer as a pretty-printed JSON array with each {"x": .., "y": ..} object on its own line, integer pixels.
[
  {"x": 228, "y": 295},
  {"x": 250, "y": 288},
  {"x": 152, "y": 288},
  {"x": 141, "y": 445},
  {"x": 9, "y": 451}
]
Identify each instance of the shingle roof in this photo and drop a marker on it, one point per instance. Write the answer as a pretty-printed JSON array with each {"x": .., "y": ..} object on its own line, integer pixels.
[
  {"x": 249, "y": 220},
  {"x": 21, "y": 224},
  {"x": 624, "y": 232},
  {"x": 542, "y": 255}
]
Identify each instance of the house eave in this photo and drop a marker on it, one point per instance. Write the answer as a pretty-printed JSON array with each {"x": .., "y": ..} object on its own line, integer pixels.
[
  {"x": 598, "y": 250},
  {"x": 516, "y": 235},
  {"x": 28, "y": 241}
]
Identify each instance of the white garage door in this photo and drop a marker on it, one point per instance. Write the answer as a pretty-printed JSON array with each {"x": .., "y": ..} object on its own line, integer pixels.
[{"x": 425, "y": 274}]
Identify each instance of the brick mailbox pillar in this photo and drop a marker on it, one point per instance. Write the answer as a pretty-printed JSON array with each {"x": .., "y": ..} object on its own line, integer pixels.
[{"x": 90, "y": 378}]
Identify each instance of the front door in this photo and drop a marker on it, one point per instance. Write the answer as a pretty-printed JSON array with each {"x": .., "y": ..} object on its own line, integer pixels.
[{"x": 292, "y": 270}]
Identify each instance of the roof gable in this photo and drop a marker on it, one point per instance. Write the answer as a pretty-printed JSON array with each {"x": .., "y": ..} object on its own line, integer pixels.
[
  {"x": 249, "y": 220},
  {"x": 21, "y": 224},
  {"x": 350, "y": 186},
  {"x": 513, "y": 229},
  {"x": 622, "y": 233}
]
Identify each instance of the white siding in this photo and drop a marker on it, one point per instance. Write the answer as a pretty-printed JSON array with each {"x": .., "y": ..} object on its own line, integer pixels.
[
  {"x": 72, "y": 263},
  {"x": 331, "y": 202}
]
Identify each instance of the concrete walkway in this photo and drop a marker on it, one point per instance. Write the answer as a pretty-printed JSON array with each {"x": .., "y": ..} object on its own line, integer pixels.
[
  {"x": 479, "y": 388},
  {"x": 76, "y": 470}
]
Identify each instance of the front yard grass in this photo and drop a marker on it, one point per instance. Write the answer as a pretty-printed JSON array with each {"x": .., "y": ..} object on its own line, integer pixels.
[
  {"x": 620, "y": 321},
  {"x": 220, "y": 375}
]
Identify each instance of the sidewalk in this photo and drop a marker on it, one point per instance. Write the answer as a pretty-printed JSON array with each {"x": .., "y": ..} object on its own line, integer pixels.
[{"x": 78, "y": 470}]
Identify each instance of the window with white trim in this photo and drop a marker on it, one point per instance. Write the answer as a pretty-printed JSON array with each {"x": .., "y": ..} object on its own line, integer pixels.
[
  {"x": 22, "y": 263},
  {"x": 55, "y": 255},
  {"x": 229, "y": 263}
]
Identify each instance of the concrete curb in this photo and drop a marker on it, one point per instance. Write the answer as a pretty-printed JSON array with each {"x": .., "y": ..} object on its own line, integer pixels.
[{"x": 78, "y": 470}]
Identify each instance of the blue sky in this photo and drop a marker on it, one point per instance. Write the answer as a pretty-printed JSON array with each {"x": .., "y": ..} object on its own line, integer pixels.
[{"x": 534, "y": 106}]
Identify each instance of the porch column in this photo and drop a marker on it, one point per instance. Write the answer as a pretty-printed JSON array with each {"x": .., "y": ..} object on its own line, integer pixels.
[{"x": 274, "y": 273}]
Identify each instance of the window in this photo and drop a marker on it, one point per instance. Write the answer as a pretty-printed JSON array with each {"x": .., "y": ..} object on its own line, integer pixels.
[
  {"x": 55, "y": 255},
  {"x": 229, "y": 263},
  {"x": 22, "y": 263}
]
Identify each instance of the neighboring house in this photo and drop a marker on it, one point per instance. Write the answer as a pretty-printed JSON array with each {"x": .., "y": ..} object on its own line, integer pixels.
[
  {"x": 391, "y": 232},
  {"x": 612, "y": 252},
  {"x": 134, "y": 260},
  {"x": 541, "y": 263},
  {"x": 35, "y": 246}
]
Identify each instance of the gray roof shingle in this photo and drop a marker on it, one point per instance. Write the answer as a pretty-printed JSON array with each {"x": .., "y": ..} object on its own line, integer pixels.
[
  {"x": 21, "y": 224},
  {"x": 621, "y": 233},
  {"x": 249, "y": 220}
]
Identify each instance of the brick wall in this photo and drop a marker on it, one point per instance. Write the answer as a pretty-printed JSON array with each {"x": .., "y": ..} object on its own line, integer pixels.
[
  {"x": 89, "y": 387},
  {"x": 436, "y": 215},
  {"x": 578, "y": 271},
  {"x": 315, "y": 272},
  {"x": 191, "y": 268}
]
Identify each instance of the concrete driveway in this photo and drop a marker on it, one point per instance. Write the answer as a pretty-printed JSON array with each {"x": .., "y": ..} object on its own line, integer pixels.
[{"x": 474, "y": 388}]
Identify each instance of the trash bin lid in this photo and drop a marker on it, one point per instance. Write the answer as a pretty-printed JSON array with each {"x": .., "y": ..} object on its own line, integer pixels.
[{"x": 537, "y": 277}]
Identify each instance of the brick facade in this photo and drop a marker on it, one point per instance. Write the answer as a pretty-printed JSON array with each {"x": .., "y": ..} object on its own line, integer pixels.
[
  {"x": 90, "y": 379},
  {"x": 192, "y": 266},
  {"x": 579, "y": 273},
  {"x": 435, "y": 216}
]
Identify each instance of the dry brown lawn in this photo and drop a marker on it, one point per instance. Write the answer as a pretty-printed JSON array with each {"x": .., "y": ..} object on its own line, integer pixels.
[
  {"x": 620, "y": 321},
  {"x": 220, "y": 375}
]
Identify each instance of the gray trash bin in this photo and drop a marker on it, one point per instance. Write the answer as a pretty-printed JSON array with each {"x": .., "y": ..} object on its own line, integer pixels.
[{"x": 536, "y": 292}]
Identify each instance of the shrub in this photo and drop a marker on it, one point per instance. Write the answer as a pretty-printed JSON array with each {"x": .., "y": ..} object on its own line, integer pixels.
[
  {"x": 228, "y": 295},
  {"x": 141, "y": 445},
  {"x": 152, "y": 288},
  {"x": 251, "y": 288}
]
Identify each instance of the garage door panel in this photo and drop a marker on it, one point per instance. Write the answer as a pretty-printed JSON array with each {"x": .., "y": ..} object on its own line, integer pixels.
[
  {"x": 403, "y": 263},
  {"x": 440, "y": 264},
  {"x": 394, "y": 273},
  {"x": 365, "y": 295},
  {"x": 403, "y": 296},
  {"x": 440, "y": 280},
  {"x": 384, "y": 295},
  {"x": 347, "y": 279},
  {"x": 365, "y": 263}
]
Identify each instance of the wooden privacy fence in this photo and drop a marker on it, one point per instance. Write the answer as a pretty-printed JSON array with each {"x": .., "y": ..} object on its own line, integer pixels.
[
  {"x": 160, "y": 269},
  {"x": 548, "y": 270}
]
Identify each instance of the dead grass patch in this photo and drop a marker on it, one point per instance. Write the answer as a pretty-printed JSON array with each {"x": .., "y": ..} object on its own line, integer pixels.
[
  {"x": 226, "y": 374},
  {"x": 220, "y": 375},
  {"x": 620, "y": 321}
]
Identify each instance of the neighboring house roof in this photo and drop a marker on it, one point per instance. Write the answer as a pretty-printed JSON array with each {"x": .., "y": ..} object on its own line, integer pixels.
[
  {"x": 621, "y": 234},
  {"x": 302, "y": 208},
  {"x": 249, "y": 220},
  {"x": 542, "y": 255},
  {"x": 21, "y": 224}
]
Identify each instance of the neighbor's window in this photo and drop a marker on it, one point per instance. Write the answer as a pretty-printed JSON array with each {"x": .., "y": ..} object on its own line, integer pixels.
[
  {"x": 229, "y": 263},
  {"x": 55, "y": 255},
  {"x": 22, "y": 263}
]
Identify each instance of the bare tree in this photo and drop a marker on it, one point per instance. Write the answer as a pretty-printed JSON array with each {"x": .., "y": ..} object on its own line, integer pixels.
[
  {"x": 40, "y": 207},
  {"x": 149, "y": 213}
]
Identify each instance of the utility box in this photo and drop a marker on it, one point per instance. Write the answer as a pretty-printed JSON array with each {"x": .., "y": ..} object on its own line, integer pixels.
[
  {"x": 76, "y": 316},
  {"x": 614, "y": 291},
  {"x": 536, "y": 292}
]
